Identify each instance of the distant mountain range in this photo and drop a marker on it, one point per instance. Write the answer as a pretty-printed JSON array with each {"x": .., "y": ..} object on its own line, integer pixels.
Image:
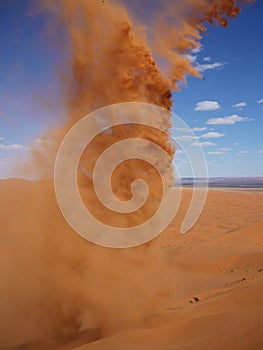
[{"x": 234, "y": 182}]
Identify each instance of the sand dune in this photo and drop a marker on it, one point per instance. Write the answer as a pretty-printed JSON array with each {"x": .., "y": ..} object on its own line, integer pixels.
[
  {"x": 222, "y": 319},
  {"x": 196, "y": 291}
]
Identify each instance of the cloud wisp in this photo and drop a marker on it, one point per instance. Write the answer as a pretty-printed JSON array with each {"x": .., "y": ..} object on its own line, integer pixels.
[
  {"x": 199, "y": 129},
  {"x": 224, "y": 149},
  {"x": 216, "y": 152},
  {"x": 204, "y": 144},
  {"x": 242, "y": 153},
  {"x": 202, "y": 67},
  {"x": 240, "y": 105},
  {"x": 12, "y": 147},
  {"x": 212, "y": 135}
]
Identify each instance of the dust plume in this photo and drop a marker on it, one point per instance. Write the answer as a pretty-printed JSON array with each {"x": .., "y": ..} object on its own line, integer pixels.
[
  {"x": 55, "y": 282},
  {"x": 117, "y": 56}
]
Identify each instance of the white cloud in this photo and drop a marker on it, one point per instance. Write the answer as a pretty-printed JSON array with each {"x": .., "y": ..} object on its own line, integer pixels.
[
  {"x": 240, "y": 105},
  {"x": 185, "y": 138},
  {"x": 224, "y": 149},
  {"x": 12, "y": 147},
  {"x": 208, "y": 66},
  {"x": 204, "y": 144},
  {"x": 216, "y": 152},
  {"x": 43, "y": 143},
  {"x": 260, "y": 151},
  {"x": 241, "y": 153},
  {"x": 1, "y": 138},
  {"x": 236, "y": 143},
  {"x": 199, "y": 129},
  {"x": 202, "y": 67},
  {"x": 180, "y": 129},
  {"x": 197, "y": 49},
  {"x": 212, "y": 135},
  {"x": 232, "y": 119},
  {"x": 260, "y": 101},
  {"x": 179, "y": 151},
  {"x": 207, "y": 106},
  {"x": 191, "y": 58}
]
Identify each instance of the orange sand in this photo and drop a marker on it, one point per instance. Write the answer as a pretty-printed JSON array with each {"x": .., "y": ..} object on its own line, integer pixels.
[{"x": 202, "y": 290}]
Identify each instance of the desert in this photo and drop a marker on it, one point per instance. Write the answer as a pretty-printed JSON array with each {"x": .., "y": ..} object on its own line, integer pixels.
[
  {"x": 197, "y": 290},
  {"x": 108, "y": 108}
]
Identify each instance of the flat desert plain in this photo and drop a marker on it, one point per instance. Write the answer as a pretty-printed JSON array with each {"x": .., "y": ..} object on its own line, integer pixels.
[{"x": 200, "y": 290}]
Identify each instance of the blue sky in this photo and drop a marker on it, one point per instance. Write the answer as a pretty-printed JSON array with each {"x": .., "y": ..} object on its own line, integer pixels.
[
  {"x": 225, "y": 110},
  {"x": 231, "y": 61}
]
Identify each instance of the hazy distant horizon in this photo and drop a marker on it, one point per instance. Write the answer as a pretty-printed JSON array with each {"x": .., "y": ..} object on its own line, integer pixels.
[
  {"x": 227, "y": 181},
  {"x": 216, "y": 181}
]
